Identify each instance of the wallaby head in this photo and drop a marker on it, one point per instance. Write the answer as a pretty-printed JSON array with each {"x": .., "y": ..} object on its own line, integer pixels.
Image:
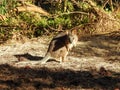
[{"x": 72, "y": 35}]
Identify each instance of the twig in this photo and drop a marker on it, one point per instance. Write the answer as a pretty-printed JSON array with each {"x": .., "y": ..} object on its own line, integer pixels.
[
  {"x": 75, "y": 12},
  {"x": 105, "y": 3},
  {"x": 77, "y": 4},
  {"x": 2, "y": 17},
  {"x": 54, "y": 28}
]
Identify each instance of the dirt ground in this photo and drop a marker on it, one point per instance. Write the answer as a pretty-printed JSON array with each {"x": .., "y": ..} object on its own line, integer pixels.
[{"x": 94, "y": 64}]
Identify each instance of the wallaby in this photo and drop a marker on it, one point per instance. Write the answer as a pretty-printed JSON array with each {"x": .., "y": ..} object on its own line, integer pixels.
[{"x": 60, "y": 45}]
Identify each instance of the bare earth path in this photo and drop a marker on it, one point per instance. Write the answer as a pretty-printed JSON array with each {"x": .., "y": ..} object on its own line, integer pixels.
[{"x": 94, "y": 64}]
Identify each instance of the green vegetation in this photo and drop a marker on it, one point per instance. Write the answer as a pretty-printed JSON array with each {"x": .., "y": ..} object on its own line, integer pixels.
[{"x": 91, "y": 15}]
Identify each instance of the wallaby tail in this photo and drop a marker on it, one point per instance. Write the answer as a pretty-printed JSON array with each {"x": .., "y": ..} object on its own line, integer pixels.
[{"x": 45, "y": 59}]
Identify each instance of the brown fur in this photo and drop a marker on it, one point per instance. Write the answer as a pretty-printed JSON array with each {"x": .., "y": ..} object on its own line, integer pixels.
[{"x": 60, "y": 46}]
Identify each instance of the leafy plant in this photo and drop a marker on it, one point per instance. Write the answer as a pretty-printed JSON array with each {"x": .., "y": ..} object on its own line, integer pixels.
[{"x": 3, "y": 5}]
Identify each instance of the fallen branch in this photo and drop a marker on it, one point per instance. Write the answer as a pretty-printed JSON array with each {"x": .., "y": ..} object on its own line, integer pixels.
[{"x": 32, "y": 8}]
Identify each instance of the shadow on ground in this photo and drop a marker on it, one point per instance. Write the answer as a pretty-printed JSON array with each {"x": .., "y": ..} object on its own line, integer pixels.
[
  {"x": 27, "y": 78},
  {"x": 27, "y": 56},
  {"x": 102, "y": 45}
]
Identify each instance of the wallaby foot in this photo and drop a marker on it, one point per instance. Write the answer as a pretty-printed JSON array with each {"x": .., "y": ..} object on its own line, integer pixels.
[{"x": 43, "y": 61}]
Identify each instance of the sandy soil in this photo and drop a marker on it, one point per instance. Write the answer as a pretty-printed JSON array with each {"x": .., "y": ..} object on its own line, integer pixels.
[{"x": 93, "y": 65}]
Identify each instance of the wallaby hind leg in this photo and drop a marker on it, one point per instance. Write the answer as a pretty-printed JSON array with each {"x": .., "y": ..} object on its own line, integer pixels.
[
  {"x": 64, "y": 59},
  {"x": 60, "y": 60}
]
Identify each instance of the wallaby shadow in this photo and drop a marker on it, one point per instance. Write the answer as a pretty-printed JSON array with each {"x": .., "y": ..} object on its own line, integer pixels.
[
  {"x": 29, "y": 56},
  {"x": 45, "y": 78},
  {"x": 32, "y": 58}
]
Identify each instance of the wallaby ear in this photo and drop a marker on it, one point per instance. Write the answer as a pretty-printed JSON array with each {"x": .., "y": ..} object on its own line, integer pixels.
[{"x": 74, "y": 31}]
